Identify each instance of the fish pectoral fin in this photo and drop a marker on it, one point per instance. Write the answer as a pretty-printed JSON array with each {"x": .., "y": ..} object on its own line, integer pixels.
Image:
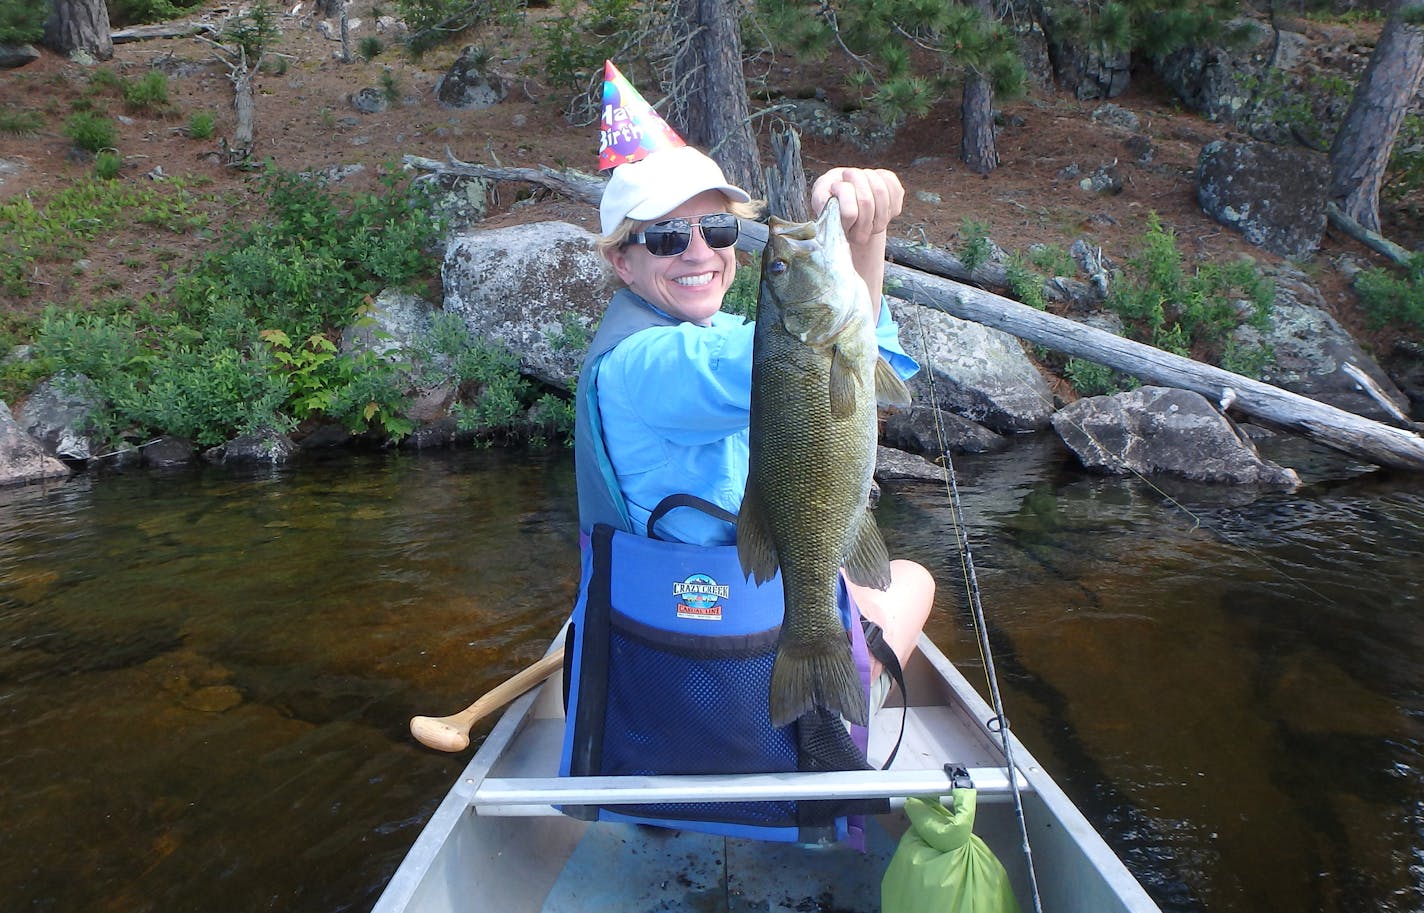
[
  {"x": 843, "y": 385},
  {"x": 755, "y": 550},
  {"x": 890, "y": 390},
  {"x": 868, "y": 563}
]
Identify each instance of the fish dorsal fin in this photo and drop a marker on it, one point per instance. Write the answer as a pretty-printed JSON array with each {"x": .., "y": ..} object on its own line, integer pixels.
[
  {"x": 843, "y": 384},
  {"x": 890, "y": 390},
  {"x": 868, "y": 563},
  {"x": 755, "y": 550}
]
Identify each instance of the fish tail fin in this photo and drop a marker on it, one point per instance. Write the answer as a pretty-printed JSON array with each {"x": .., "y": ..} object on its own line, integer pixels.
[{"x": 817, "y": 674}]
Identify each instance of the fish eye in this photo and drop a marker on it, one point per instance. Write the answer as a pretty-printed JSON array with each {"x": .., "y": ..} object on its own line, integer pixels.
[{"x": 776, "y": 267}]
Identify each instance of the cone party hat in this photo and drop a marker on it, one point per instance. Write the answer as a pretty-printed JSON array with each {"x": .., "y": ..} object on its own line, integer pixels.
[{"x": 631, "y": 129}]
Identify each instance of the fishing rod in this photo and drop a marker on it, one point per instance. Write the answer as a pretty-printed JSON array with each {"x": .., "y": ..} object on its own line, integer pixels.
[{"x": 976, "y": 604}]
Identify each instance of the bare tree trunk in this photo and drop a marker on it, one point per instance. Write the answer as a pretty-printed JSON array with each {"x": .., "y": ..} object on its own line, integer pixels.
[
  {"x": 245, "y": 105},
  {"x": 977, "y": 147},
  {"x": 786, "y": 179},
  {"x": 711, "y": 91},
  {"x": 327, "y": 8},
  {"x": 345, "y": 32},
  {"x": 79, "y": 25},
  {"x": 1362, "y": 147}
]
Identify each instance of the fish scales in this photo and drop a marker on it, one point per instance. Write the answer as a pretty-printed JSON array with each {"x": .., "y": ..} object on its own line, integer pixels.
[{"x": 815, "y": 374}]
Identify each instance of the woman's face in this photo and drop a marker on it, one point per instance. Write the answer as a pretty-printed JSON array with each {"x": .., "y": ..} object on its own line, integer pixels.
[{"x": 689, "y": 285}]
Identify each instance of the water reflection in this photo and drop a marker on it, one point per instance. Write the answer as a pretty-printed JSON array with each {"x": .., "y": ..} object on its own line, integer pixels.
[{"x": 205, "y": 678}]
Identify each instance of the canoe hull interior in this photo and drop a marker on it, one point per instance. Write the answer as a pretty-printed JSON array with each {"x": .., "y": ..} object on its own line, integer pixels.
[{"x": 471, "y": 857}]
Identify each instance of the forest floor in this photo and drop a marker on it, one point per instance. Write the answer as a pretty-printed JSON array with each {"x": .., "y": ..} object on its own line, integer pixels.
[{"x": 305, "y": 122}]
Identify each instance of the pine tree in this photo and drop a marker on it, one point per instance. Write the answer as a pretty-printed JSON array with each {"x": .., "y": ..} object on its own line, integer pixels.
[{"x": 909, "y": 54}]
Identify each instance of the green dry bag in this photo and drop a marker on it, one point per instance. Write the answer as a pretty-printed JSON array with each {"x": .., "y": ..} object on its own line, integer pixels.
[{"x": 941, "y": 865}]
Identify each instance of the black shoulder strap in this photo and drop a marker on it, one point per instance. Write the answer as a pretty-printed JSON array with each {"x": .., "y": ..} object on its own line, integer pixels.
[
  {"x": 672, "y": 502},
  {"x": 875, "y": 643}
]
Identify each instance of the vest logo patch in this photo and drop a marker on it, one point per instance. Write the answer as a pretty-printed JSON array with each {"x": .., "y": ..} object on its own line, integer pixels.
[{"x": 699, "y": 597}]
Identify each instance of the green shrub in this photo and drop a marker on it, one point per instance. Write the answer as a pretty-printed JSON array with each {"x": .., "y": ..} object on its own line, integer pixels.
[
  {"x": 1092, "y": 379},
  {"x": 742, "y": 295},
  {"x": 370, "y": 47},
  {"x": 148, "y": 93},
  {"x": 22, "y": 21},
  {"x": 108, "y": 164},
  {"x": 976, "y": 249},
  {"x": 1024, "y": 283},
  {"x": 20, "y": 123},
  {"x": 201, "y": 125},
  {"x": 91, "y": 132},
  {"x": 1191, "y": 314},
  {"x": 1389, "y": 297},
  {"x": 140, "y": 12}
]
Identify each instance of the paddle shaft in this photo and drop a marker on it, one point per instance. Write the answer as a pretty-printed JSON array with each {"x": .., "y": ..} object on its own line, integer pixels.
[{"x": 452, "y": 733}]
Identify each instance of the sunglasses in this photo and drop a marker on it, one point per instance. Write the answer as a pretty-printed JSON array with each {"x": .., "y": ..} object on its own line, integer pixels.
[{"x": 670, "y": 237}]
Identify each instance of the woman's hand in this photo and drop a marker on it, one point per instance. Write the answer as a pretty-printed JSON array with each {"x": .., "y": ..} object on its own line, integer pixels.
[{"x": 869, "y": 199}]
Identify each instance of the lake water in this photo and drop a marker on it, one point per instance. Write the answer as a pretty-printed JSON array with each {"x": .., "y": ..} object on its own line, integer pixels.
[{"x": 205, "y": 676}]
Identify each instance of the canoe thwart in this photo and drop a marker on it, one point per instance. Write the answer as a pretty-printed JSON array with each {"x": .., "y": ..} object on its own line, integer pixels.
[{"x": 495, "y": 792}]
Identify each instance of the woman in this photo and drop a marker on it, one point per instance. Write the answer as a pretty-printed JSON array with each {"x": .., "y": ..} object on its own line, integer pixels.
[{"x": 671, "y": 374}]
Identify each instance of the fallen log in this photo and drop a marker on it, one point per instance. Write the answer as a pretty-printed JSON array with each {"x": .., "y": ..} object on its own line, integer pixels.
[
  {"x": 1369, "y": 440},
  {"x": 162, "y": 30},
  {"x": 1269, "y": 405}
]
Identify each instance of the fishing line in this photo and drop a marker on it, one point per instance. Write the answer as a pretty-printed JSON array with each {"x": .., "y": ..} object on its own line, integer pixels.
[{"x": 971, "y": 585}]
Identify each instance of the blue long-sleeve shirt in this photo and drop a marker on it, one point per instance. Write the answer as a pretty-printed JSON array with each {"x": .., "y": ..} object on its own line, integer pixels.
[{"x": 675, "y": 405}]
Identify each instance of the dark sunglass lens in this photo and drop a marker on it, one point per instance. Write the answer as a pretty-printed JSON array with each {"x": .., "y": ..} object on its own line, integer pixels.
[
  {"x": 719, "y": 236},
  {"x": 667, "y": 242}
]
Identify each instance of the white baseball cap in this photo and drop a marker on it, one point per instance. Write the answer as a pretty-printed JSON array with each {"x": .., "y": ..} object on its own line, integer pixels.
[{"x": 659, "y": 183}]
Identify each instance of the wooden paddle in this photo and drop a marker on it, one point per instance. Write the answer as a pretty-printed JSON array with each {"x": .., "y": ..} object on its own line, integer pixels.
[{"x": 452, "y": 733}]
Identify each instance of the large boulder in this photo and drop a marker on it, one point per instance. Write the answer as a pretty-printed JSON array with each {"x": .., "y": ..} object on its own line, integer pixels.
[
  {"x": 1162, "y": 430},
  {"x": 1273, "y": 195},
  {"x": 537, "y": 288},
  {"x": 1310, "y": 350},
  {"x": 22, "y": 458},
  {"x": 1084, "y": 68},
  {"x": 60, "y": 414},
  {"x": 977, "y": 372},
  {"x": 1271, "y": 80},
  {"x": 469, "y": 83}
]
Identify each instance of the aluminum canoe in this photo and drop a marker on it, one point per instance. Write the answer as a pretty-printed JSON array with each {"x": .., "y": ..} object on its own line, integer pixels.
[{"x": 496, "y": 844}]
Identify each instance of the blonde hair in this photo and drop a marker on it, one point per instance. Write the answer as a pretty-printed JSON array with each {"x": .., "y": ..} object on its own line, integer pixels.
[{"x": 626, "y": 229}]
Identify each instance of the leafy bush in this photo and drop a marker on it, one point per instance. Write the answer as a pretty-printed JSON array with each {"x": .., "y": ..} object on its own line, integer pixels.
[
  {"x": 148, "y": 93},
  {"x": 140, "y": 12},
  {"x": 220, "y": 360},
  {"x": 91, "y": 132},
  {"x": 20, "y": 123},
  {"x": 201, "y": 125},
  {"x": 1092, "y": 379},
  {"x": 108, "y": 164},
  {"x": 1191, "y": 315},
  {"x": 370, "y": 47},
  {"x": 1388, "y": 297},
  {"x": 976, "y": 249},
  {"x": 22, "y": 21}
]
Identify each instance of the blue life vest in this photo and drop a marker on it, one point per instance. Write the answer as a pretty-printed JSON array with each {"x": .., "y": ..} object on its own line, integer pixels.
[{"x": 670, "y": 650}]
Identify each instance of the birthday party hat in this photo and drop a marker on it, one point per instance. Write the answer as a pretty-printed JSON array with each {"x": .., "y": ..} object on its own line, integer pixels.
[{"x": 631, "y": 129}]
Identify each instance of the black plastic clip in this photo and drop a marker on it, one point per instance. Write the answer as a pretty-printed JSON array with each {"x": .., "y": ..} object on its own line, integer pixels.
[{"x": 958, "y": 776}]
